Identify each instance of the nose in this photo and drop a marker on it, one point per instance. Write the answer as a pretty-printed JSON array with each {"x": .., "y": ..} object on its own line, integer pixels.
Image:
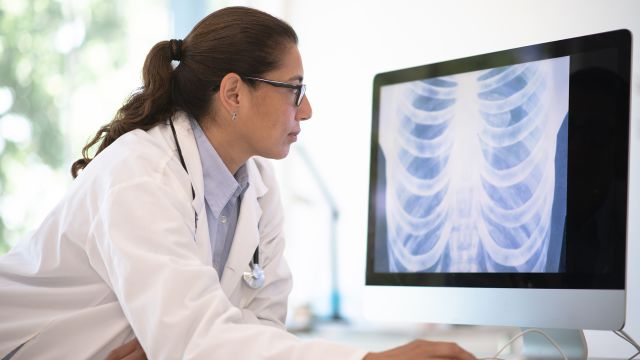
[{"x": 304, "y": 110}]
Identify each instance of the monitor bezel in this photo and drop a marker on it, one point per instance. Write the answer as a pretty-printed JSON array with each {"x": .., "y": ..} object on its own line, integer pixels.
[{"x": 618, "y": 41}]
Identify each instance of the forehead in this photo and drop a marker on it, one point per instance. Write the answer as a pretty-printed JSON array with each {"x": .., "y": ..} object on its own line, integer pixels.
[{"x": 290, "y": 63}]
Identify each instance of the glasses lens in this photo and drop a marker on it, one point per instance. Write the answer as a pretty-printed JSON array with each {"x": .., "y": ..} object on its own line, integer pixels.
[{"x": 301, "y": 92}]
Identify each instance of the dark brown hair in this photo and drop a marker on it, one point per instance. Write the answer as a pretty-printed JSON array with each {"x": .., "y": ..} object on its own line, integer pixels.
[{"x": 242, "y": 40}]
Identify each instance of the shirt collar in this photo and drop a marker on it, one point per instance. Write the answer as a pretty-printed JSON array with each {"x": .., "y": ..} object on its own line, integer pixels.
[
  {"x": 220, "y": 186},
  {"x": 242, "y": 177}
]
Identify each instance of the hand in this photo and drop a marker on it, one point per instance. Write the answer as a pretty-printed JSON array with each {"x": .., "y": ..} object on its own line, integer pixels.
[
  {"x": 422, "y": 349},
  {"x": 129, "y": 351}
]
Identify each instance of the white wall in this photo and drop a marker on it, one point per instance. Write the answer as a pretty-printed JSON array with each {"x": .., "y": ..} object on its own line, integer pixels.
[{"x": 344, "y": 44}]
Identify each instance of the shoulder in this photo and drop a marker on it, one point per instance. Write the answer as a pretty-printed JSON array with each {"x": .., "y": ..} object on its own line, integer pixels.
[
  {"x": 134, "y": 156},
  {"x": 134, "y": 153}
]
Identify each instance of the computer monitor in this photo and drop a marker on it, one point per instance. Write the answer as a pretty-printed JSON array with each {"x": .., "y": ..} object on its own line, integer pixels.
[{"x": 498, "y": 187}]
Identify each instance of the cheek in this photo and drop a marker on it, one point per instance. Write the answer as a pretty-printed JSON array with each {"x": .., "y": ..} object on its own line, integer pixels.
[
  {"x": 267, "y": 130},
  {"x": 280, "y": 121},
  {"x": 273, "y": 121}
]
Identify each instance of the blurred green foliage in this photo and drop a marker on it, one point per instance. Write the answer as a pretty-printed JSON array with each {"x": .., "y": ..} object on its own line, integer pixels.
[{"x": 43, "y": 46}]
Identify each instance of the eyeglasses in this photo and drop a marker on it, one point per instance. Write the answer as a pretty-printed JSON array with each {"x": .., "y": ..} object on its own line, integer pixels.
[{"x": 300, "y": 88}]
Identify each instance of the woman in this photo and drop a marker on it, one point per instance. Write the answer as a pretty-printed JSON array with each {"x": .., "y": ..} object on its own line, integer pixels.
[{"x": 172, "y": 234}]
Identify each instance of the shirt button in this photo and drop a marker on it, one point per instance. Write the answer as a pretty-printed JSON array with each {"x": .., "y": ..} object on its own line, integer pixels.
[{"x": 223, "y": 219}]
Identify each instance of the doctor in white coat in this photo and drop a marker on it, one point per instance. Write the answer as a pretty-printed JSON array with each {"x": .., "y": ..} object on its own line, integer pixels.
[{"x": 173, "y": 233}]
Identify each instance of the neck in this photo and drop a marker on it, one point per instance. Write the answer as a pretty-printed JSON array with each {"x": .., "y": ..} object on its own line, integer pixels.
[{"x": 227, "y": 144}]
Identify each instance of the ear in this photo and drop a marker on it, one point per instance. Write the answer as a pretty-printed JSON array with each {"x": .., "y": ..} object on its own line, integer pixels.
[{"x": 229, "y": 93}]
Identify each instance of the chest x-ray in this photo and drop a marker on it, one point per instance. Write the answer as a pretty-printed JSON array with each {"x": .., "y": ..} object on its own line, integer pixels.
[{"x": 475, "y": 169}]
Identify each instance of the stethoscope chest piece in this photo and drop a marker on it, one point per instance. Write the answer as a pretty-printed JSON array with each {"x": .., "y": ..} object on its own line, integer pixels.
[{"x": 254, "y": 278}]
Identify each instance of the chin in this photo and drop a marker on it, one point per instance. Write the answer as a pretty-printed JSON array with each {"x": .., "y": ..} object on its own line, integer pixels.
[
  {"x": 283, "y": 154},
  {"x": 277, "y": 154}
]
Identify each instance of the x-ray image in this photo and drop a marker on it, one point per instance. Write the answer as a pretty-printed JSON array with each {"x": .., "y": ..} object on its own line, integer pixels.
[{"x": 475, "y": 168}]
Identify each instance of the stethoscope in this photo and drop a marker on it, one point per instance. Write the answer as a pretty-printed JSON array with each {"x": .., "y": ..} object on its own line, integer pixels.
[{"x": 254, "y": 278}]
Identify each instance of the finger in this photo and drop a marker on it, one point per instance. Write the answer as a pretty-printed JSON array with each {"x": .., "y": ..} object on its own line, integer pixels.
[
  {"x": 446, "y": 350},
  {"x": 123, "y": 350},
  {"x": 138, "y": 354}
]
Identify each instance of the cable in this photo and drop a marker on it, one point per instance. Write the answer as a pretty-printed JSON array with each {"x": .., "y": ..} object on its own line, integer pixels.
[
  {"x": 627, "y": 338},
  {"x": 519, "y": 335},
  {"x": 621, "y": 333},
  {"x": 630, "y": 340}
]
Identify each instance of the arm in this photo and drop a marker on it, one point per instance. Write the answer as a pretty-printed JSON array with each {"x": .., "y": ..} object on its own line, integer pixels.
[
  {"x": 173, "y": 300},
  {"x": 268, "y": 305}
]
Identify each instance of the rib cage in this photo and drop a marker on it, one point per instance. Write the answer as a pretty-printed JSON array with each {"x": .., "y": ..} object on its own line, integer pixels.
[{"x": 470, "y": 171}]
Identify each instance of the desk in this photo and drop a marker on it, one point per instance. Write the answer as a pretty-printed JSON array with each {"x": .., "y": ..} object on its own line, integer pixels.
[{"x": 482, "y": 341}]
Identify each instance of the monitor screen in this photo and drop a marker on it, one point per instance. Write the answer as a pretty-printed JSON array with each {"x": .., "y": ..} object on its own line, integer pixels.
[{"x": 503, "y": 170}]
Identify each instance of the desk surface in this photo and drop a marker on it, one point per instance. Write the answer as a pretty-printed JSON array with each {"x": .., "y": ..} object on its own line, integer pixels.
[{"x": 483, "y": 341}]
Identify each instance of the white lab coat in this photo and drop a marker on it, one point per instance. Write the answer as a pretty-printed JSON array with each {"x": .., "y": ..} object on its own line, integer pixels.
[{"x": 120, "y": 256}]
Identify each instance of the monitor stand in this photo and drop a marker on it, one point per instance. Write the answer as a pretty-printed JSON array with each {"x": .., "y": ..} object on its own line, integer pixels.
[{"x": 572, "y": 342}]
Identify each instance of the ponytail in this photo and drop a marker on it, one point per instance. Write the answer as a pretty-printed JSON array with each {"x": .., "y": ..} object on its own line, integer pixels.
[
  {"x": 236, "y": 39},
  {"x": 146, "y": 107}
]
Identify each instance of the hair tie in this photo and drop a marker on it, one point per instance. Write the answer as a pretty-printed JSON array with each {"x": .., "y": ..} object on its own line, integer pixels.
[{"x": 175, "y": 48}]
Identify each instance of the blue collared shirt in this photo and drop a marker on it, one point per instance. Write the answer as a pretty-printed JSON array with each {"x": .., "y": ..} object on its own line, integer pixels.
[{"x": 222, "y": 194}]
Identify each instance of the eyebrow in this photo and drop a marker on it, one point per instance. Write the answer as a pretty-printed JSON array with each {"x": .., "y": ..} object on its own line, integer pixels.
[{"x": 296, "y": 77}]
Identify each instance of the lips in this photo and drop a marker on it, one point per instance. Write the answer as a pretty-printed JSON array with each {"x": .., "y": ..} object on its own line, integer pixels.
[{"x": 293, "y": 136}]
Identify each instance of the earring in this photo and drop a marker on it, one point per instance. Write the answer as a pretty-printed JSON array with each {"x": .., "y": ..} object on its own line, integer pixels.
[{"x": 233, "y": 116}]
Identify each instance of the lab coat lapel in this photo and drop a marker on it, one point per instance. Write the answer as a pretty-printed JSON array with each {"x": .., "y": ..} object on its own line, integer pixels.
[{"x": 247, "y": 235}]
